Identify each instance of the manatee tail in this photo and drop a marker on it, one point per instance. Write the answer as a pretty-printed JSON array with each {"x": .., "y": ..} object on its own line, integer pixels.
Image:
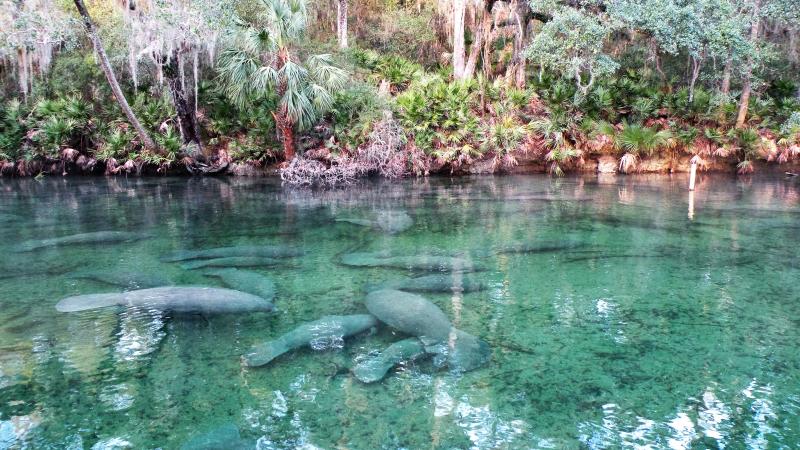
[
  {"x": 27, "y": 246},
  {"x": 261, "y": 354},
  {"x": 86, "y": 302},
  {"x": 361, "y": 222},
  {"x": 375, "y": 368},
  {"x": 181, "y": 255}
]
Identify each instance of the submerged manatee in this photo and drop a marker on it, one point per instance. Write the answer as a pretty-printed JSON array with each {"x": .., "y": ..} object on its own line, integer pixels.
[
  {"x": 233, "y": 261},
  {"x": 125, "y": 279},
  {"x": 540, "y": 248},
  {"x": 246, "y": 281},
  {"x": 417, "y": 316},
  {"x": 99, "y": 237},
  {"x": 179, "y": 299},
  {"x": 432, "y": 283},
  {"x": 312, "y": 333},
  {"x": 416, "y": 262},
  {"x": 375, "y": 368},
  {"x": 386, "y": 221},
  {"x": 264, "y": 251},
  {"x": 409, "y": 313}
]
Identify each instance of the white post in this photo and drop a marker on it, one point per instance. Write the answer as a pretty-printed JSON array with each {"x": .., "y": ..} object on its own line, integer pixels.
[
  {"x": 692, "y": 174},
  {"x": 691, "y": 205}
]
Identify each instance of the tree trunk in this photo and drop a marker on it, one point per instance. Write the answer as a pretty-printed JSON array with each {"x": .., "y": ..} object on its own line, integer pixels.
[
  {"x": 112, "y": 79},
  {"x": 183, "y": 107},
  {"x": 516, "y": 70},
  {"x": 477, "y": 45},
  {"x": 744, "y": 101},
  {"x": 286, "y": 128},
  {"x": 22, "y": 64},
  {"x": 341, "y": 22},
  {"x": 459, "y": 9},
  {"x": 725, "y": 88},
  {"x": 697, "y": 64},
  {"x": 283, "y": 122}
]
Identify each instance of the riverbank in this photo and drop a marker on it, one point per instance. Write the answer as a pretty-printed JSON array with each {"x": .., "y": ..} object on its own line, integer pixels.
[{"x": 221, "y": 164}]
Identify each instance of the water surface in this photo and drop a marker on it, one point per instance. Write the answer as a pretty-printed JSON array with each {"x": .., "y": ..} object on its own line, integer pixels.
[{"x": 639, "y": 326}]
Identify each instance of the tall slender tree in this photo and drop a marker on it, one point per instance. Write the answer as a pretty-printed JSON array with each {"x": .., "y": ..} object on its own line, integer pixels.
[
  {"x": 747, "y": 83},
  {"x": 341, "y": 22},
  {"x": 459, "y": 11},
  {"x": 112, "y": 79}
]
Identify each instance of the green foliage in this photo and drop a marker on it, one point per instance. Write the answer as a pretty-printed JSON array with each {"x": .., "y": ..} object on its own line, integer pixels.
[
  {"x": 117, "y": 145},
  {"x": 572, "y": 45},
  {"x": 12, "y": 130},
  {"x": 792, "y": 124},
  {"x": 638, "y": 139},
  {"x": 399, "y": 72},
  {"x": 355, "y": 109},
  {"x": 153, "y": 111},
  {"x": 438, "y": 113},
  {"x": 502, "y": 136},
  {"x": 746, "y": 141}
]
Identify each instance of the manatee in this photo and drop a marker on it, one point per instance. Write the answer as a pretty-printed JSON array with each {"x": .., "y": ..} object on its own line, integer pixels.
[
  {"x": 416, "y": 262},
  {"x": 265, "y": 251},
  {"x": 374, "y": 368},
  {"x": 311, "y": 333},
  {"x": 233, "y": 261},
  {"x": 409, "y": 313},
  {"x": 225, "y": 437},
  {"x": 386, "y": 221},
  {"x": 417, "y": 316},
  {"x": 245, "y": 281},
  {"x": 178, "y": 299},
  {"x": 539, "y": 248},
  {"x": 99, "y": 237},
  {"x": 124, "y": 279},
  {"x": 432, "y": 283}
]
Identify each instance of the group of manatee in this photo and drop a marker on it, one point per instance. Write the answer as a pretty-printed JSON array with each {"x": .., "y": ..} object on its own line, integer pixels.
[{"x": 429, "y": 332}]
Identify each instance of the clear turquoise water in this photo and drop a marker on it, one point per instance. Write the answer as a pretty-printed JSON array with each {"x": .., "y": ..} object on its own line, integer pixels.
[{"x": 658, "y": 331}]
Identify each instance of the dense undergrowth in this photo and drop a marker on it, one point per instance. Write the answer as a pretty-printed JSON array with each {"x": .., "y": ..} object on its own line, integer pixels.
[
  {"x": 401, "y": 112},
  {"x": 444, "y": 125}
]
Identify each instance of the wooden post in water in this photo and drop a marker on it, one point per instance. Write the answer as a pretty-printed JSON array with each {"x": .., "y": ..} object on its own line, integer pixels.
[{"x": 692, "y": 178}]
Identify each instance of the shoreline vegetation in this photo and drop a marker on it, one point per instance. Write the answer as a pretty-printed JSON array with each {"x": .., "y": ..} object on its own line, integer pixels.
[{"x": 324, "y": 95}]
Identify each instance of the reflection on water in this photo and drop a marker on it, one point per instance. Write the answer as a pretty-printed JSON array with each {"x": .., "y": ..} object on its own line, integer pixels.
[{"x": 616, "y": 319}]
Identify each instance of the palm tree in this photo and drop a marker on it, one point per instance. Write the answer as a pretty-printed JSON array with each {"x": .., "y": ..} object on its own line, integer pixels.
[
  {"x": 262, "y": 62},
  {"x": 635, "y": 139}
]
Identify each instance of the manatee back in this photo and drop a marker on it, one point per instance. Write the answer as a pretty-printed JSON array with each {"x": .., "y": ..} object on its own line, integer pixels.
[
  {"x": 195, "y": 299},
  {"x": 246, "y": 281},
  {"x": 408, "y": 313}
]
